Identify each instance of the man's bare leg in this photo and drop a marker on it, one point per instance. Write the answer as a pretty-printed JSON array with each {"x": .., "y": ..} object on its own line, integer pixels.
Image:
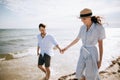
[
  {"x": 41, "y": 68},
  {"x": 47, "y": 73}
]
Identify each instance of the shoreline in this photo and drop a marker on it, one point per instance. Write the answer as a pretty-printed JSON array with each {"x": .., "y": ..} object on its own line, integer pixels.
[
  {"x": 25, "y": 68},
  {"x": 20, "y": 69},
  {"x": 16, "y": 54}
]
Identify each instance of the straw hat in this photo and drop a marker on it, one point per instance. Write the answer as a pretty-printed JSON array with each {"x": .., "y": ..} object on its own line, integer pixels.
[{"x": 85, "y": 13}]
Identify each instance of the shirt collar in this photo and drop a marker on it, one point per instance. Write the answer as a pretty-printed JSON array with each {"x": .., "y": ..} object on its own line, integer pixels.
[
  {"x": 44, "y": 36},
  {"x": 91, "y": 28}
]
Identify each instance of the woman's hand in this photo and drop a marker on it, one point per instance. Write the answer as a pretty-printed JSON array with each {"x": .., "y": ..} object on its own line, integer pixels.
[{"x": 99, "y": 64}]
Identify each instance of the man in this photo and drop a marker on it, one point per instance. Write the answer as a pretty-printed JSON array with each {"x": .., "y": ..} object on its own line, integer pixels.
[{"x": 46, "y": 43}]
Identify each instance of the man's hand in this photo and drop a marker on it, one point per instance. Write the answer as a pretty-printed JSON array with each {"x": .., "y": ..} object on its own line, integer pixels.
[
  {"x": 37, "y": 53},
  {"x": 38, "y": 48},
  {"x": 59, "y": 49}
]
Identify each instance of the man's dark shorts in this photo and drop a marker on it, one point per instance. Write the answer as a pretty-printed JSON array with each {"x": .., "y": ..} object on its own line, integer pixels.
[{"x": 44, "y": 60}]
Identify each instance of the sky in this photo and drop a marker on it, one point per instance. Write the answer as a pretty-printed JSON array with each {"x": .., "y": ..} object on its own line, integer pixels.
[{"x": 55, "y": 13}]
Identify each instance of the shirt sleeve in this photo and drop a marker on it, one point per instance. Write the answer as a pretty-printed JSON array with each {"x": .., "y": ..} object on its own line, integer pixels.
[
  {"x": 79, "y": 34},
  {"x": 54, "y": 41},
  {"x": 101, "y": 33}
]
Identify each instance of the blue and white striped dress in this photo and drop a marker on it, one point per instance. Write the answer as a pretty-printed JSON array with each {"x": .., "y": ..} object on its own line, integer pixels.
[{"x": 87, "y": 63}]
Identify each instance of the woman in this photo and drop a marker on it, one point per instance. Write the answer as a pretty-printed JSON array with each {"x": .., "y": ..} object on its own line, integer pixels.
[{"x": 91, "y": 33}]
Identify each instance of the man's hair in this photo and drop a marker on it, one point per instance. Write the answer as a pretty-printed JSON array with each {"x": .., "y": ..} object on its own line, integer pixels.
[{"x": 42, "y": 25}]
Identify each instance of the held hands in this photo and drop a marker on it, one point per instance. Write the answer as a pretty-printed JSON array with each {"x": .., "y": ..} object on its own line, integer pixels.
[
  {"x": 60, "y": 50},
  {"x": 63, "y": 50}
]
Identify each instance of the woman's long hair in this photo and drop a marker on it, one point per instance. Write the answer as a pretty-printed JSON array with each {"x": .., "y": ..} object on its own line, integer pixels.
[{"x": 96, "y": 19}]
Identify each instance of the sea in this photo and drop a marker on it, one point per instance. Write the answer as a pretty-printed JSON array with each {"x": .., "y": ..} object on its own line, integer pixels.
[{"x": 23, "y": 42}]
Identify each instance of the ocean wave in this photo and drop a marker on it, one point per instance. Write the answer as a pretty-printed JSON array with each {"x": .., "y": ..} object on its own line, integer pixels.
[
  {"x": 15, "y": 55},
  {"x": 16, "y": 36},
  {"x": 16, "y": 40},
  {"x": 5, "y": 43}
]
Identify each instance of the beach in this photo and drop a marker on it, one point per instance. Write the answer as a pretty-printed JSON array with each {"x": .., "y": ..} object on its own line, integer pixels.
[
  {"x": 19, "y": 28},
  {"x": 110, "y": 73},
  {"x": 25, "y": 69},
  {"x": 20, "y": 69},
  {"x": 21, "y": 61}
]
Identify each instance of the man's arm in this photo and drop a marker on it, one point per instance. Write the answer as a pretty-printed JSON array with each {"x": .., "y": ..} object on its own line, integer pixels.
[
  {"x": 55, "y": 43},
  {"x": 58, "y": 48},
  {"x": 38, "y": 48}
]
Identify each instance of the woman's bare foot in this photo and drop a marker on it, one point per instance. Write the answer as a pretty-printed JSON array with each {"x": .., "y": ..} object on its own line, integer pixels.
[
  {"x": 46, "y": 78},
  {"x": 83, "y": 78}
]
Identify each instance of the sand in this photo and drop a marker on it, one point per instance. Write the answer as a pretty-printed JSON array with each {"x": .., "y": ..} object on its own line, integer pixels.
[
  {"x": 20, "y": 69},
  {"x": 25, "y": 68}
]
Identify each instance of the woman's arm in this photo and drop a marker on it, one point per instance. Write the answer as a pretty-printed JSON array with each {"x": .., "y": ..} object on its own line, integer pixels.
[
  {"x": 100, "y": 45},
  {"x": 71, "y": 44}
]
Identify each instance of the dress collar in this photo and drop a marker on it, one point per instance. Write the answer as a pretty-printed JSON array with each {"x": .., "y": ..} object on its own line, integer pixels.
[{"x": 91, "y": 28}]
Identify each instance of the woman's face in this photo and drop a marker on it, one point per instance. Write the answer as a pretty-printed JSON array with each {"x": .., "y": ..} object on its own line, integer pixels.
[{"x": 86, "y": 20}]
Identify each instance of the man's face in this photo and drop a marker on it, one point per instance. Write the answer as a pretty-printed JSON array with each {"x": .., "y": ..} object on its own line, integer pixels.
[{"x": 42, "y": 30}]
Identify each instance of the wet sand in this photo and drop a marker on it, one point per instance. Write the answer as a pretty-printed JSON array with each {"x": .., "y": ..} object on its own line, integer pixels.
[
  {"x": 25, "y": 68},
  {"x": 20, "y": 69}
]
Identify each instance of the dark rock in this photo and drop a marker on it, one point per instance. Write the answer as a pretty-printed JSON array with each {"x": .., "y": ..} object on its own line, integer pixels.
[
  {"x": 9, "y": 56},
  {"x": 114, "y": 72},
  {"x": 101, "y": 72},
  {"x": 119, "y": 63},
  {"x": 119, "y": 71},
  {"x": 73, "y": 79},
  {"x": 114, "y": 61}
]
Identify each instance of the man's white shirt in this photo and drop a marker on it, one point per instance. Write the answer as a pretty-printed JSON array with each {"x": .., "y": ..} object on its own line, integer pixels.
[{"x": 46, "y": 44}]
